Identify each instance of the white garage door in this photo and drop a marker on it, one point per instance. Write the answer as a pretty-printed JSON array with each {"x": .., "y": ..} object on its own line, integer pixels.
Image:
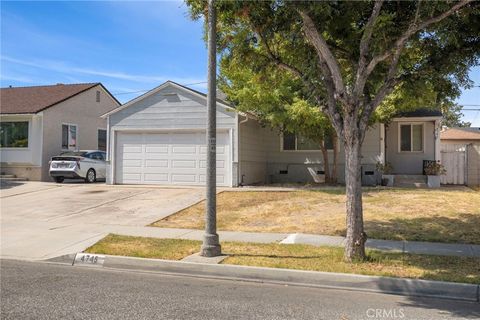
[{"x": 168, "y": 158}]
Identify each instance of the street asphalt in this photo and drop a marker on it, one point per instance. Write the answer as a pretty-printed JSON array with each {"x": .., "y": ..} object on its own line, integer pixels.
[{"x": 36, "y": 290}]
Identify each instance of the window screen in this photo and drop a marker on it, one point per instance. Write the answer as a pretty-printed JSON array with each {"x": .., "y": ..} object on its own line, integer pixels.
[
  {"x": 14, "y": 134},
  {"x": 405, "y": 137},
  {"x": 288, "y": 141},
  {"x": 102, "y": 139},
  {"x": 417, "y": 137}
]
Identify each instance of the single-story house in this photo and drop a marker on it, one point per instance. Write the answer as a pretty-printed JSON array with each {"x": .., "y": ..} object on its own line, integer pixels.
[
  {"x": 159, "y": 138},
  {"x": 460, "y": 135},
  {"x": 39, "y": 122}
]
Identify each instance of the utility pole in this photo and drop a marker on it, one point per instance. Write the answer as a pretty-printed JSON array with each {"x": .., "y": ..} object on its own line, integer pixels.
[{"x": 211, "y": 246}]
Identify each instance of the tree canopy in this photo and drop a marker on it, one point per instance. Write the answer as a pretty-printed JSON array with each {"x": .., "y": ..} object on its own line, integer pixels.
[{"x": 357, "y": 61}]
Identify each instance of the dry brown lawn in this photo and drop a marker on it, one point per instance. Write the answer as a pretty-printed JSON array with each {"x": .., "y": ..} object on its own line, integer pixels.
[
  {"x": 303, "y": 257},
  {"x": 441, "y": 215}
]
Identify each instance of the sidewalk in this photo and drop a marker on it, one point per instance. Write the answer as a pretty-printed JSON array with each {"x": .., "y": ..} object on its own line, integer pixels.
[{"x": 417, "y": 247}]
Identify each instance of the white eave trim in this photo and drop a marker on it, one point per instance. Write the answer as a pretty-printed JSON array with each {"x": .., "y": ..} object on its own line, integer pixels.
[{"x": 157, "y": 89}]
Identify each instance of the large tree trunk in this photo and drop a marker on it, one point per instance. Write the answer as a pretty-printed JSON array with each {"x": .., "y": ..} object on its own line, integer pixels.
[{"x": 356, "y": 237}]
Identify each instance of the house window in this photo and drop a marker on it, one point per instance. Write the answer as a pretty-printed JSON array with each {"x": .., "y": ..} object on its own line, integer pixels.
[
  {"x": 97, "y": 96},
  {"x": 102, "y": 139},
  {"x": 69, "y": 136},
  {"x": 14, "y": 134},
  {"x": 293, "y": 142},
  {"x": 411, "y": 137}
]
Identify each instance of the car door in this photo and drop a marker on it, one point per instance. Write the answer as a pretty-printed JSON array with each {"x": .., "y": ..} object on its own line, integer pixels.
[
  {"x": 90, "y": 161},
  {"x": 102, "y": 164}
]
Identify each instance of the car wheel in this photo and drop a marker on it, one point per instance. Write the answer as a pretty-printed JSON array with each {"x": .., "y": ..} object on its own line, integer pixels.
[
  {"x": 59, "y": 179},
  {"x": 91, "y": 176}
]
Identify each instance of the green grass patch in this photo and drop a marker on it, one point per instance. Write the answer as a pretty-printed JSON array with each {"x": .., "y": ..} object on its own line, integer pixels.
[{"x": 301, "y": 257}]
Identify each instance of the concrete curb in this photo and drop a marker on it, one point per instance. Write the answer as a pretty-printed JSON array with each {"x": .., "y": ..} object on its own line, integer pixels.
[{"x": 405, "y": 287}]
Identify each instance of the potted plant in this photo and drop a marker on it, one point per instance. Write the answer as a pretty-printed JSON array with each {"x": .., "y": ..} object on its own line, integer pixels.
[
  {"x": 434, "y": 170},
  {"x": 386, "y": 170}
]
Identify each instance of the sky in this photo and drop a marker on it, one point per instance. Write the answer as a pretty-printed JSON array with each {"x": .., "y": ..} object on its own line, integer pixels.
[{"x": 130, "y": 47}]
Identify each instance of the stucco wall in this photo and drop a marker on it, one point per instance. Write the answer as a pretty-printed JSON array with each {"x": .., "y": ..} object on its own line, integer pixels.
[
  {"x": 24, "y": 162},
  {"x": 82, "y": 110},
  {"x": 409, "y": 162},
  {"x": 31, "y": 154}
]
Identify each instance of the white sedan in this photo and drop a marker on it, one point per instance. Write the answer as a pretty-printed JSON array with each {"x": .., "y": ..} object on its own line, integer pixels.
[{"x": 89, "y": 165}]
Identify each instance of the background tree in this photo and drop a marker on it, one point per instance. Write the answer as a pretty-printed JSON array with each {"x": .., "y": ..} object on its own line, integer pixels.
[
  {"x": 276, "y": 98},
  {"x": 350, "y": 57}
]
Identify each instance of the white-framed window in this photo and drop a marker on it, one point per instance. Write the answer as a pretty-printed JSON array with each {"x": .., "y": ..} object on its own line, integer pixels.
[
  {"x": 69, "y": 136},
  {"x": 411, "y": 137},
  {"x": 296, "y": 142},
  {"x": 102, "y": 139},
  {"x": 14, "y": 134}
]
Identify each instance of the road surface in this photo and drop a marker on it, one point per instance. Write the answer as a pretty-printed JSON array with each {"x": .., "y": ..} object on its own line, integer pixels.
[{"x": 35, "y": 290}]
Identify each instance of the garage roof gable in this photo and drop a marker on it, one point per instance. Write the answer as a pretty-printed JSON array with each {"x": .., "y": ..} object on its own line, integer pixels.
[{"x": 163, "y": 86}]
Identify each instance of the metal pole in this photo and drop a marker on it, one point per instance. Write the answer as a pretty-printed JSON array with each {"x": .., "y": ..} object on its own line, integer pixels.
[{"x": 211, "y": 245}]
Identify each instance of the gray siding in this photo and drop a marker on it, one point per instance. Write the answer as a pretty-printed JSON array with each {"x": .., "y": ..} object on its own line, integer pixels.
[
  {"x": 409, "y": 162},
  {"x": 252, "y": 153},
  {"x": 180, "y": 111},
  {"x": 302, "y": 166}
]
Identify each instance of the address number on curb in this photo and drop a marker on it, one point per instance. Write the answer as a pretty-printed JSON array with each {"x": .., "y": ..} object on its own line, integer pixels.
[{"x": 88, "y": 259}]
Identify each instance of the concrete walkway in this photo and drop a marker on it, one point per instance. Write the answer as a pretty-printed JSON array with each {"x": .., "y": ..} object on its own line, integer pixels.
[{"x": 417, "y": 247}]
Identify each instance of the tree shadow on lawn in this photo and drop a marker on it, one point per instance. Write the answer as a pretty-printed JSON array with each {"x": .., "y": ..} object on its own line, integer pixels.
[{"x": 462, "y": 229}]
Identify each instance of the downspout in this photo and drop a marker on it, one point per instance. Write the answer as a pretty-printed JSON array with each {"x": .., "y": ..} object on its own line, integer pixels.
[{"x": 239, "y": 156}]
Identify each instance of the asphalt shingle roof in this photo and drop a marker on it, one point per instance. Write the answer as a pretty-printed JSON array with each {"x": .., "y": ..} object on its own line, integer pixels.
[
  {"x": 24, "y": 100},
  {"x": 460, "y": 134}
]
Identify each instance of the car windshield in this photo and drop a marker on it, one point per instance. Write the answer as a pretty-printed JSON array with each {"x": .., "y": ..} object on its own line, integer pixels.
[{"x": 74, "y": 153}]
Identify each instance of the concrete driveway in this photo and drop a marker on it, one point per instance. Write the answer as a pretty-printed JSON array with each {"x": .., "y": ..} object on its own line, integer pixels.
[{"x": 41, "y": 220}]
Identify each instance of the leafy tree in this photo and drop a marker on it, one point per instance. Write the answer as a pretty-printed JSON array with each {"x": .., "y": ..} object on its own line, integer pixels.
[
  {"x": 351, "y": 56},
  {"x": 276, "y": 98},
  {"x": 452, "y": 114}
]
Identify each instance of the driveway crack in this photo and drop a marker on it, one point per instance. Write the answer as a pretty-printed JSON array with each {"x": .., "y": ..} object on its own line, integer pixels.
[{"x": 96, "y": 206}]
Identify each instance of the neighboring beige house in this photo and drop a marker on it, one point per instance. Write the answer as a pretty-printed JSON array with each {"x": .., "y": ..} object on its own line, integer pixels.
[
  {"x": 159, "y": 138},
  {"x": 39, "y": 122},
  {"x": 460, "y": 135}
]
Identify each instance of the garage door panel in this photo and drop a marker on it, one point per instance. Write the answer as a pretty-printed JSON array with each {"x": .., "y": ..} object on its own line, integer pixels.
[
  {"x": 184, "y": 149},
  {"x": 156, "y": 177},
  {"x": 156, "y": 149},
  {"x": 132, "y": 176},
  {"x": 168, "y": 158},
  {"x": 191, "y": 164},
  {"x": 132, "y": 149},
  {"x": 177, "y": 178},
  {"x": 132, "y": 162},
  {"x": 133, "y": 169},
  {"x": 156, "y": 163},
  {"x": 155, "y": 156}
]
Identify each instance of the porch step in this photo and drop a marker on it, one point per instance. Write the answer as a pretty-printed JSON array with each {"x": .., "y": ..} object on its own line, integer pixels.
[
  {"x": 11, "y": 177},
  {"x": 410, "y": 181},
  {"x": 8, "y": 176}
]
